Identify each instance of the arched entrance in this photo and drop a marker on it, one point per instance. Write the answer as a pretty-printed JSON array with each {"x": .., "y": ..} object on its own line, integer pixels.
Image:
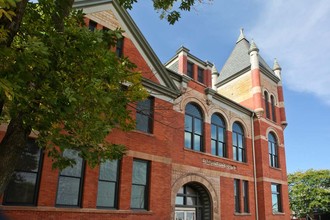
[{"x": 192, "y": 202}]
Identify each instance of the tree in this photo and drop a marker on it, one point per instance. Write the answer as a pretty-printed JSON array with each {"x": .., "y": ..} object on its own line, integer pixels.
[
  {"x": 60, "y": 81},
  {"x": 168, "y": 9},
  {"x": 309, "y": 192}
]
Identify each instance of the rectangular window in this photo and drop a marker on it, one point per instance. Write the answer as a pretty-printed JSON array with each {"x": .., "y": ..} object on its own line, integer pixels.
[
  {"x": 276, "y": 198},
  {"x": 107, "y": 194},
  {"x": 200, "y": 75},
  {"x": 144, "y": 115},
  {"x": 24, "y": 184},
  {"x": 92, "y": 25},
  {"x": 120, "y": 47},
  {"x": 70, "y": 181},
  {"x": 246, "y": 196},
  {"x": 237, "y": 195},
  {"x": 190, "y": 70},
  {"x": 140, "y": 184}
]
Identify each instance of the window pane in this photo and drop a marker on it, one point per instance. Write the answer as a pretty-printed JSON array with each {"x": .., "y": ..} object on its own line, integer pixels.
[
  {"x": 68, "y": 191},
  {"x": 139, "y": 172},
  {"x": 21, "y": 188},
  {"x": 213, "y": 147},
  {"x": 197, "y": 143},
  {"x": 108, "y": 170},
  {"x": 220, "y": 149},
  {"x": 144, "y": 115},
  {"x": 187, "y": 139},
  {"x": 234, "y": 139},
  {"x": 29, "y": 159},
  {"x": 106, "y": 194},
  {"x": 240, "y": 141},
  {"x": 240, "y": 154},
  {"x": 188, "y": 123},
  {"x": 220, "y": 134},
  {"x": 275, "y": 203},
  {"x": 191, "y": 200},
  {"x": 213, "y": 132},
  {"x": 179, "y": 200},
  {"x": 76, "y": 169},
  {"x": 198, "y": 126},
  {"x": 137, "y": 197},
  {"x": 234, "y": 153}
]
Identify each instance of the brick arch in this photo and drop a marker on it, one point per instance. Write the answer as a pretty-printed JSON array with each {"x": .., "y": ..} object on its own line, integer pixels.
[
  {"x": 201, "y": 181},
  {"x": 245, "y": 127},
  {"x": 270, "y": 129},
  {"x": 202, "y": 105},
  {"x": 221, "y": 113}
]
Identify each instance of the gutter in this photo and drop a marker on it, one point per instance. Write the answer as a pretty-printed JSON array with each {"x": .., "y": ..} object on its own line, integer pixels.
[{"x": 254, "y": 169}]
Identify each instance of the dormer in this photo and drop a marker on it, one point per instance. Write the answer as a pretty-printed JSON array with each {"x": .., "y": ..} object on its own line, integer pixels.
[{"x": 184, "y": 63}]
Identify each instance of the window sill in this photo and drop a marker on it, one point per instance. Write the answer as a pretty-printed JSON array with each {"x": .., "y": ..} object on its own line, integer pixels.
[
  {"x": 142, "y": 132},
  {"x": 74, "y": 210},
  {"x": 242, "y": 214},
  {"x": 278, "y": 213},
  {"x": 275, "y": 168}
]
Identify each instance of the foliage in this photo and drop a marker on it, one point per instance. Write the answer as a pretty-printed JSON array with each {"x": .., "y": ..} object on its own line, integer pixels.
[
  {"x": 168, "y": 9},
  {"x": 309, "y": 192},
  {"x": 6, "y": 12},
  {"x": 67, "y": 85}
]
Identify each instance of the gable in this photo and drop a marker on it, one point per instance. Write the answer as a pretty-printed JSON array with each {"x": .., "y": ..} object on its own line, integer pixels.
[{"x": 111, "y": 15}]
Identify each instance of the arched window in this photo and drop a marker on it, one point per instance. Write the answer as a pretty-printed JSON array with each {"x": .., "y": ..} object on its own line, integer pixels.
[
  {"x": 239, "y": 153},
  {"x": 266, "y": 104},
  {"x": 193, "y": 136},
  {"x": 272, "y": 100},
  {"x": 218, "y": 136},
  {"x": 273, "y": 150}
]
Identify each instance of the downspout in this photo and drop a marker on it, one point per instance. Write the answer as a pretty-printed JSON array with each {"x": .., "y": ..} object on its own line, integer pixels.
[{"x": 254, "y": 168}]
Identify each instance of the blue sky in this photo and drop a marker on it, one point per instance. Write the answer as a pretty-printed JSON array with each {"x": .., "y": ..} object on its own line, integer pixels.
[{"x": 297, "y": 33}]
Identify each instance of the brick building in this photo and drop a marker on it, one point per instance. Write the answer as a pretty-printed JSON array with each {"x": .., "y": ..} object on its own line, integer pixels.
[{"x": 207, "y": 144}]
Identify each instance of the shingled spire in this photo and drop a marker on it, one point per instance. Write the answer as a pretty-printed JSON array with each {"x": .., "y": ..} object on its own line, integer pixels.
[{"x": 241, "y": 35}]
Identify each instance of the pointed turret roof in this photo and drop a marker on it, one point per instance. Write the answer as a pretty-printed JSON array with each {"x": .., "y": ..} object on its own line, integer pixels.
[
  {"x": 276, "y": 65},
  {"x": 214, "y": 70},
  {"x": 239, "y": 60}
]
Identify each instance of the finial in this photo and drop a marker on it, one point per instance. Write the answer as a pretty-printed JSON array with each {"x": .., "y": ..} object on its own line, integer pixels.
[
  {"x": 253, "y": 47},
  {"x": 276, "y": 65},
  {"x": 214, "y": 70},
  {"x": 241, "y": 35}
]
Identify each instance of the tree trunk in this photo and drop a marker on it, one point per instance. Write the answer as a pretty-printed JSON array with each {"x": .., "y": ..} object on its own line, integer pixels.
[
  {"x": 14, "y": 25},
  {"x": 11, "y": 148}
]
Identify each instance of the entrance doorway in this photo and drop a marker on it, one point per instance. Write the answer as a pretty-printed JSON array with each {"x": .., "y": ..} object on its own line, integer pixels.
[{"x": 192, "y": 202}]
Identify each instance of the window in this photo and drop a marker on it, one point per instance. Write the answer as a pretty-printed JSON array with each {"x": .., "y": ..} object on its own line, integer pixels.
[
  {"x": 200, "y": 75},
  {"x": 190, "y": 70},
  {"x": 273, "y": 150},
  {"x": 218, "y": 134},
  {"x": 276, "y": 198},
  {"x": 140, "y": 182},
  {"x": 193, "y": 128},
  {"x": 237, "y": 195},
  {"x": 144, "y": 115},
  {"x": 70, "y": 181},
  {"x": 120, "y": 47},
  {"x": 187, "y": 197},
  {"x": 107, "y": 193},
  {"x": 239, "y": 153},
  {"x": 272, "y": 100},
  {"x": 266, "y": 104},
  {"x": 24, "y": 184},
  {"x": 246, "y": 196},
  {"x": 92, "y": 25}
]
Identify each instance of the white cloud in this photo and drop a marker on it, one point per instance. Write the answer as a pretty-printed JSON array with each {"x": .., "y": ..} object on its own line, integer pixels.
[{"x": 298, "y": 34}]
